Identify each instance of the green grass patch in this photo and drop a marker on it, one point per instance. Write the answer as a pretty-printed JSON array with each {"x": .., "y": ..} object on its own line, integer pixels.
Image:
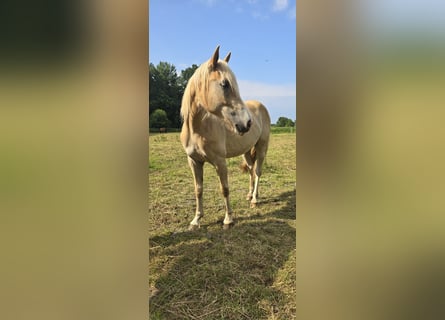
[
  {"x": 247, "y": 272},
  {"x": 275, "y": 130}
]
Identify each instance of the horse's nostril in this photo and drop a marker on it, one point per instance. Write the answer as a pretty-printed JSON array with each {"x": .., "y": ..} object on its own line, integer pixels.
[
  {"x": 241, "y": 128},
  {"x": 249, "y": 123}
]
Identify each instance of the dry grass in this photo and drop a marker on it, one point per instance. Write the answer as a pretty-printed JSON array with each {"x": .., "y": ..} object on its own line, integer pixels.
[{"x": 247, "y": 272}]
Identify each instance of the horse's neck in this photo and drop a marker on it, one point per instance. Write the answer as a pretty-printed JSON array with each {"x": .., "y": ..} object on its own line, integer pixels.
[{"x": 197, "y": 120}]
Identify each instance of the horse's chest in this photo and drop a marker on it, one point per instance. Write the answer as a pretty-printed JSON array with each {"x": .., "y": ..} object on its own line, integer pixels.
[
  {"x": 196, "y": 151},
  {"x": 204, "y": 150}
]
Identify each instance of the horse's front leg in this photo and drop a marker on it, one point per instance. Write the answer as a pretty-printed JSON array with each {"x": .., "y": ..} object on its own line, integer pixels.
[
  {"x": 198, "y": 176},
  {"x": 221, "y": 169}
]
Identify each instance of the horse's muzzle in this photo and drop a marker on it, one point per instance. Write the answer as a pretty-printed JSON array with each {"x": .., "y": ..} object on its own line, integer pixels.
[{"x": 241, "y": 129}]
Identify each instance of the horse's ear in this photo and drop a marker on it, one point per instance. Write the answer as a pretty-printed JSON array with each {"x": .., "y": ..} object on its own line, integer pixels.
[
  {"x": 215, "y": 57},
  {"x": 227, "y": 58}
]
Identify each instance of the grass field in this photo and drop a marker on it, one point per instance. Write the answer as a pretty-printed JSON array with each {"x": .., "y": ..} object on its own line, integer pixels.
[{"x": 247, "y": 272}]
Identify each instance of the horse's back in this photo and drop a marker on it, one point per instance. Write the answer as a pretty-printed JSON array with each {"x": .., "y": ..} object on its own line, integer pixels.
[{"x": 259, "y": 111}]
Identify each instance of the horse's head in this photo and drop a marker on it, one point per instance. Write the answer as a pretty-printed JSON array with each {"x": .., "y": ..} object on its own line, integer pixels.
[{"x": 221, "y": 94}]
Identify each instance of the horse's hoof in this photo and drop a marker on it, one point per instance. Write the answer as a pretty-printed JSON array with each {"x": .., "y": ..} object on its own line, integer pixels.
[
  {"x": 253, "y": 205},
  {"x": 227, "y": 226},
  {"x": 249, "y": 197},
  {"x": 194, "y": 227}
]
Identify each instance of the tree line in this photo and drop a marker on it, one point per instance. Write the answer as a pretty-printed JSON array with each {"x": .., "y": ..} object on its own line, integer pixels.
[
  {"x": 284, "y": 122},
  {"x": 166, "y": 87}
]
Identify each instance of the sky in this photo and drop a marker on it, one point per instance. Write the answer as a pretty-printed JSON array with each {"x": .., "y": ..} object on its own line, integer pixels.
[{"x": 261, "y": 34}]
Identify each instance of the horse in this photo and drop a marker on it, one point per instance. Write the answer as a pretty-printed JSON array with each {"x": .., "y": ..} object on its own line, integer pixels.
[
  {"x": 218, "y": 124},
  {"x": 162, "y": 130}
]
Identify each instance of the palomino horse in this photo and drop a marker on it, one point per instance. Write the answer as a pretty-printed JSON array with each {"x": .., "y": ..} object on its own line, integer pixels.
[{"x": 219, "y": 125}]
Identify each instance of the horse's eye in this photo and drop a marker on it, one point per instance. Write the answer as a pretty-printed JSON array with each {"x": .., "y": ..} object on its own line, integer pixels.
[
  {"x": 224, "y": 84},
  {"x": 233, "y": 113}
]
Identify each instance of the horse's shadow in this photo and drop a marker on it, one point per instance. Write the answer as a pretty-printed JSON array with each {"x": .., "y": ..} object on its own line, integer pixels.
[{"x": 223, "y": 274}]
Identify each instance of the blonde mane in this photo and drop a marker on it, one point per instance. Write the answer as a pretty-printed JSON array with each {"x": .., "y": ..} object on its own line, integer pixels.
[{"x": 197, "y": 86}]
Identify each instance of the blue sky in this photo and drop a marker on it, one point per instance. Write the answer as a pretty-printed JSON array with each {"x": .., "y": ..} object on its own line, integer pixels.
[{"x": 261, "y": 34}]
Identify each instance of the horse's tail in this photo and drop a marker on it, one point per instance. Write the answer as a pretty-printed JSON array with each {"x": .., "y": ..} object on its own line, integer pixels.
[{"x": 243, "y": 166}]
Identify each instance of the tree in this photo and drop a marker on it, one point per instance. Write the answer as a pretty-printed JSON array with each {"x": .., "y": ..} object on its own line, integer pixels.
[
  {"x": 186, "y": 74},
  {"x": 159, "y": 119},
  {"x": 166, "y": 89},
  {"x": 285, "y": 122},
  {"x": 165, "y": 92}
]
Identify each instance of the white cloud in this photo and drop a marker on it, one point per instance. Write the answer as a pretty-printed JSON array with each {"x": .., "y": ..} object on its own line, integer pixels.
[
  {"x": 252, "y": 89},
  {"x": 279, "y": 107},
  {"x": 208, "y": 2},
  {"x": 280, "y": 5},
  {"x": 292, "y": 13},
  {"x": 280, "y": 100},
  {"x": 258, "y": 15}
]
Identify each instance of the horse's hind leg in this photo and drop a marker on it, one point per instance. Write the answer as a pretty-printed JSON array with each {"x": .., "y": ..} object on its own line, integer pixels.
[
  {"x": 198, "y": 175},
  {"x": 260, "y": 155},
  {"x": 249, "y": 167}
]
